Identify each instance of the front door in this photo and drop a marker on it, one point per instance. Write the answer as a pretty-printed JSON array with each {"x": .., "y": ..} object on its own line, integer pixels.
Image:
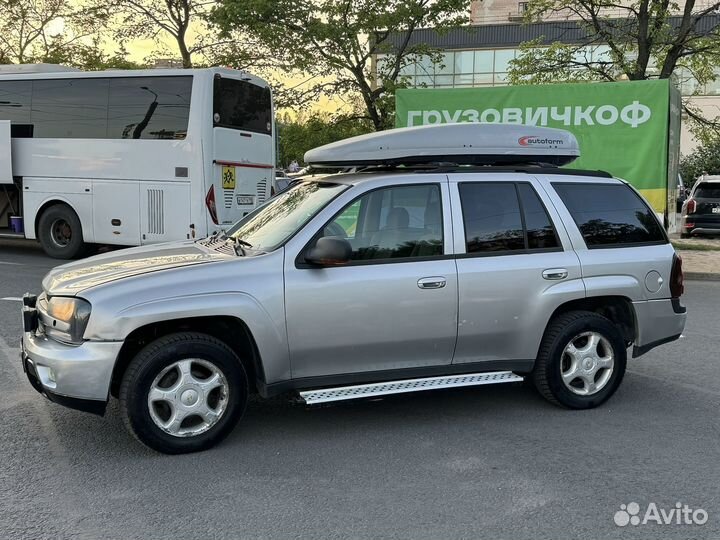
[{"x": 394, "y": 306}]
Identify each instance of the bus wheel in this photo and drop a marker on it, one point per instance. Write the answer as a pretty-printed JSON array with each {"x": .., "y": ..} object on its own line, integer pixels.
[{"x": 60, "y": 232}]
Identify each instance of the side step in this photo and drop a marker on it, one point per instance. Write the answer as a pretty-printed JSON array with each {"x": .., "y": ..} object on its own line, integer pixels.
[{"x": 341, "y": 393}]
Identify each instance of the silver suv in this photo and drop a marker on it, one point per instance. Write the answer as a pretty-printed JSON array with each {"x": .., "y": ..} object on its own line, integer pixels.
[{"x": 389, "y": 280}]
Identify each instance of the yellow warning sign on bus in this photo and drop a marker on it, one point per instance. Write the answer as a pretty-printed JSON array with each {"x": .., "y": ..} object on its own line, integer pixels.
[{"x": 228, "y": 177}]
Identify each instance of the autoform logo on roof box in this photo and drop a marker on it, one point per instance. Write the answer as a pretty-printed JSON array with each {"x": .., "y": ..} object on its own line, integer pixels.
[{"x": 532, "y": 140}]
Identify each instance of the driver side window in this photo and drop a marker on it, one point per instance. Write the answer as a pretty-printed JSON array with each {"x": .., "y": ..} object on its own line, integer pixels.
[{"x": 392, "y": 223}]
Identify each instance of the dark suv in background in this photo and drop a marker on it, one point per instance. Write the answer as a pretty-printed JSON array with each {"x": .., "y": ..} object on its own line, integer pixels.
[{"x": 701, "y": 211}]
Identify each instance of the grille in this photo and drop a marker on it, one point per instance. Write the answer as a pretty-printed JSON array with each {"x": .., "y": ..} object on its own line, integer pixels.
[
  {"x": 218, "y": 244},
  {"x": 261, "y": 192},
  {"x": 156, "y": 211},
  {"x": 228, "y": 195},
  {"x": 410, "y": 385}
]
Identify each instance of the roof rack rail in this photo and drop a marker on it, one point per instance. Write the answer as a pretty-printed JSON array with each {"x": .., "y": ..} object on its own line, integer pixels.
[{"x": 458, "y": 144}]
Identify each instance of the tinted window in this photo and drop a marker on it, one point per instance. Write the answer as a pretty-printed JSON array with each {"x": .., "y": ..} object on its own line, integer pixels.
[
  {"x": 70, "y": 108},
  {"x": 707, "y": 191},
  {"x": 540, "y": 231},
  {"x": 491, "y": 213},
  {"x": 397, "y": 222},
  {"x": 610, "y": 214},
  {"x": 15, "y": 99},
  {"x": 242, "y": 105},
  {"x": 149, "y": 107}
]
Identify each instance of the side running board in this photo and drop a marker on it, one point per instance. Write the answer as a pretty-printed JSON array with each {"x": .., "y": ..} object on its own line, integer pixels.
[{"x": 341, "y": 393}]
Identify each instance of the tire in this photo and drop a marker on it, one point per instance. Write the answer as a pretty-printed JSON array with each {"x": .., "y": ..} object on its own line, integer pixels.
[
  {"x": 60, "y": 232},
  {"x": 193, "y": 434},
  {"x": 578, "y": 327},
  {"x": 685, "y": 235}
]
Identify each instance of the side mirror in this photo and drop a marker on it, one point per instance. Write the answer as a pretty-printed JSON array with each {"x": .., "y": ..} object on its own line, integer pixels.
[{"x": 329, "y": 251}]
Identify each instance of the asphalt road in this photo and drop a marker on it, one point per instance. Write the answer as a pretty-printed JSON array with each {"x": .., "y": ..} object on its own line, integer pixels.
[{"x": 488, "y": 462}]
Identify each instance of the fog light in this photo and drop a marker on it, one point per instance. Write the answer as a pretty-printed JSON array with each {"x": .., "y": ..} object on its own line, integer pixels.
[{"x": 46, "y": 376}]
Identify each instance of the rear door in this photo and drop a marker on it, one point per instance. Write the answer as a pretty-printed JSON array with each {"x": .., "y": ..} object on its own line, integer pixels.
[
  {"x": 243, "y": 154},
  {"x": 515, "y": 267}
]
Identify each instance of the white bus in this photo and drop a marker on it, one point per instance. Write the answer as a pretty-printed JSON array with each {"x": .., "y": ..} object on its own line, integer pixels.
[{"x": 130, "y": 157}]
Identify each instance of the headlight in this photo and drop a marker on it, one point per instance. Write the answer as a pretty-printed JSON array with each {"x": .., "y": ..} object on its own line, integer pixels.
[{"x": 67, "y": 319}]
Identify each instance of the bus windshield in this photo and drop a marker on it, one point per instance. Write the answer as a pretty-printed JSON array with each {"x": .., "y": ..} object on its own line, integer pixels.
[{"x": 271, "y": 225}]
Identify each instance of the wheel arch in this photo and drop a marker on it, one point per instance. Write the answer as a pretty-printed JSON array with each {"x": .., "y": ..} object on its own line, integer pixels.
[
  {"x": 56, "y": 200},
  {"x": 232, "y": 331},
  {"x": 618, "y": 309}
]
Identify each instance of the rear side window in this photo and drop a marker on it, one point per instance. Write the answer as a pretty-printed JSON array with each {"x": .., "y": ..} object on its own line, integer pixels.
[
  {"x": 149, "y": 107},
  {"x": 610, "y": 215},
  {"x": 504, "y": 217},
  {"x": 242, "y": 105},
  {"x": 707, "y": 190}
]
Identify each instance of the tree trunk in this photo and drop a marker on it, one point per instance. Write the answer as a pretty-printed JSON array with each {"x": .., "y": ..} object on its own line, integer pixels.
[{"x": 184, "y": 52}]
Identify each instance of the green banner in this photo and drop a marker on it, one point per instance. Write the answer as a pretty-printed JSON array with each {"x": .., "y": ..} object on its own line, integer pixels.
[{"x": 622, "y": 127}]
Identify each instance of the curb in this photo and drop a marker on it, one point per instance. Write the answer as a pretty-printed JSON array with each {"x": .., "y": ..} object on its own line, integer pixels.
[{"x": 701, "y": 276}]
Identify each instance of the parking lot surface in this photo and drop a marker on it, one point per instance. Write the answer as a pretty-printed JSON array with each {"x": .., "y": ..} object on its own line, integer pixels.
[{"x": 484, "y": 462}]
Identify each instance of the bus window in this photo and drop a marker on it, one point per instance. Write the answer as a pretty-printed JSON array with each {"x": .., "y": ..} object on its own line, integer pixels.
[
  {"x": 15, "y": 99},
  {"x": 242, "y": 105},
  {"x": 149, "y": 107},
  {"x": 70, "y": 108}
]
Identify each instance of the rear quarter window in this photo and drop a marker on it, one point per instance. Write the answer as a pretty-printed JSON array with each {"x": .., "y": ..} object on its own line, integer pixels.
[{"x": 610, "y": 215}]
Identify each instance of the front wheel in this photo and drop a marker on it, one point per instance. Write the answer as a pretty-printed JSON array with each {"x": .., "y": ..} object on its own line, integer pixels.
[
  {"x": 183, "y": 393},
  {"x": 581, "y": 361}
]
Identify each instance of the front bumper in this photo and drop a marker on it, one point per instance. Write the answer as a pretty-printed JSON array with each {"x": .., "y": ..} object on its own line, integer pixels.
[
  {"x": 74, "y": 376},
  {"x": 657, "y": 322}
]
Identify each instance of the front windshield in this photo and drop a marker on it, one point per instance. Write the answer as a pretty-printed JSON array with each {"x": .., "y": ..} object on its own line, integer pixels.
[{"x": 270, "y": 225}]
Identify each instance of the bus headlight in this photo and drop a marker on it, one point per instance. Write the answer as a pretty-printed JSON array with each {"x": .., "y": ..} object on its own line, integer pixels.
[{"x": 69, "y": 318}]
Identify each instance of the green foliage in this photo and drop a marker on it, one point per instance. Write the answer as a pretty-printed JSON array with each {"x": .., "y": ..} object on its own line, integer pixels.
[
  {"x": 298, "y": 135},
  {"x": 35, "y": 30},
  {"x": 90, "y": 58},
  {"x": 640, "y": 39},
  {"x": 335, "y": 43},
  {"x": 705, "y": 159}
]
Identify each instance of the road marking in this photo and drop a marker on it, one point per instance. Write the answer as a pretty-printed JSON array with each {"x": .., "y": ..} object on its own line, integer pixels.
[
  {"x": 12, "y": 299},
  {"x": 11, "y": 263}
]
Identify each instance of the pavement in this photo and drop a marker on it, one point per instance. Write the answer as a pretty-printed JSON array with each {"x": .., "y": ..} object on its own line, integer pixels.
[
  {"x": 697, "y": 263},
  {"x": 486, "y": 462}
]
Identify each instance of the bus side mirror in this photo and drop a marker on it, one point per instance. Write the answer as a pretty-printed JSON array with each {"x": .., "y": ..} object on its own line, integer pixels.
[{"x": 329, "y": 251}]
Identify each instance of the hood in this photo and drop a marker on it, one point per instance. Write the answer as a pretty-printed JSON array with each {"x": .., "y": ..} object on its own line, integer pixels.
[{"x": 70, "y": 279}]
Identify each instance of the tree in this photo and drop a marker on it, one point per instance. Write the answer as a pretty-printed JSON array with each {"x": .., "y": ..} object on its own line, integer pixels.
[
  {"x": 635, "y": 40},
  {"x": 91, "y": 57},
  {"x": 184, "y": 21},
  {"x": 336, "y": 43},
  {"x": 298, "y": 135},
  {"x": 645, "y": 39},
  {"x": 35, "y": 30},
  {"x": 705, "y": 159}
]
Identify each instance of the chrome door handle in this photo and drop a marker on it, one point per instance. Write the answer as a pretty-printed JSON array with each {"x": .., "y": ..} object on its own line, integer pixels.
[
  {"x": 436, "y": 282},
  {"x": 555, "y": 273}
]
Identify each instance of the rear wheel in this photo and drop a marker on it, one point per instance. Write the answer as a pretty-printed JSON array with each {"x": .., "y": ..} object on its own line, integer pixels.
[
  {"x": 581, "y": 362},
  {"x": 685, "y": 235},
  {"x": 60, "y": 232},
  {"x": 183, "y": 393}
]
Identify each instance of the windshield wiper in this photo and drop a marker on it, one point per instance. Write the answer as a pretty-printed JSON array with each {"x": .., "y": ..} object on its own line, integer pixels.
[{"x": 240, "y": 245}]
